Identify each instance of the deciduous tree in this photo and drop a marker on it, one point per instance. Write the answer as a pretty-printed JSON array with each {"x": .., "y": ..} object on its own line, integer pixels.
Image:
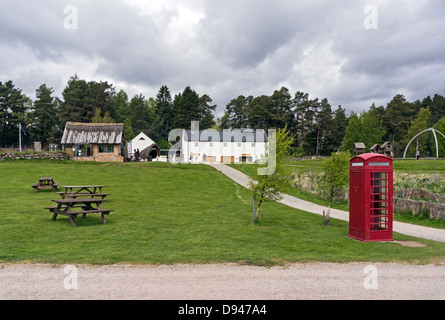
[
  {"x": 335, "y": 176},
  {"x": 271, "y": 186}
]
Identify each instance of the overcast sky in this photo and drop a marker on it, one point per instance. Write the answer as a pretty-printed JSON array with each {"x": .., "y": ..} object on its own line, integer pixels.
[{"x": 351, "y": 52}]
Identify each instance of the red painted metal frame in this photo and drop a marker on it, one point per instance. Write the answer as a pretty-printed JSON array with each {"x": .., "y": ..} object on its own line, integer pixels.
[{"x": 370, "y": 197}]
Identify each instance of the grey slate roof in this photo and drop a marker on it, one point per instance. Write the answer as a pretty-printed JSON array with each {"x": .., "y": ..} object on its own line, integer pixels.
[
  {"x": 234, "y": 135},
  {"x": 94, "y": 133}
]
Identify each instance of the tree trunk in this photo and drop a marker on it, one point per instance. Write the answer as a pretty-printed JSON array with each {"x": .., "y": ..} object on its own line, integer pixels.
[
  {"x": 328, "y": 214},
  {"x": 257, "y": 213},
  {"x": 318, "y": 141}
]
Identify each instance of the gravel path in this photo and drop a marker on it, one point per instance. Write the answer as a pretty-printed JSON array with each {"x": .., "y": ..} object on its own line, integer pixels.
[{"x": 223, "y": 282}]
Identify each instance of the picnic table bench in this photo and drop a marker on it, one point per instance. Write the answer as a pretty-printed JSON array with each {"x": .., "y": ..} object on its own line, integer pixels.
[
  {"x": 91, "y": 191},
  {"x": 68, "y": 207},
  {"x": 45, "y": 183}
]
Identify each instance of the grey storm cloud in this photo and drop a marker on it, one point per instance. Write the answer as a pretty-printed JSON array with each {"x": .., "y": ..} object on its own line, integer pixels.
[{"x": 230, "y": 48}]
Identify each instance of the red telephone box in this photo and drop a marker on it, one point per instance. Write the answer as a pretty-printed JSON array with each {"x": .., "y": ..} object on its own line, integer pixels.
[{"x": 370, "y": 197}]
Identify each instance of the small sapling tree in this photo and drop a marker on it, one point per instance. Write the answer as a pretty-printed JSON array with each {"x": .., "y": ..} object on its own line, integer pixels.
[
  {"x": 335, "y": 176},
  {"x": 270, "y": 186}
]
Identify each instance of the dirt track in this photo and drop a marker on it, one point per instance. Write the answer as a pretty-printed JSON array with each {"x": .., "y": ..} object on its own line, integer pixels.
[{"x": 223, "y": 282}]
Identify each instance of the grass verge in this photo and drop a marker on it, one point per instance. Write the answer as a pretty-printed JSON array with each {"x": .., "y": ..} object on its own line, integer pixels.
[{"x": 167, "y": 214}]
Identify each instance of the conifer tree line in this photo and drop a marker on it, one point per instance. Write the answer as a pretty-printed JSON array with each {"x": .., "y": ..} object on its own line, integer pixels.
[{"x": 319, "y": 128}]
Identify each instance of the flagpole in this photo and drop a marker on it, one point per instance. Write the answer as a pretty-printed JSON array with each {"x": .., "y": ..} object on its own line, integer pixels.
[{"x": 20, "y": 136}]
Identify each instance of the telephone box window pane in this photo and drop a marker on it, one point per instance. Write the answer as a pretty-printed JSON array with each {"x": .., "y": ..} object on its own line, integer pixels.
[
  {"x": 357, "y": 164},
  {"x": 379, "y": 164},
  {"x": 379, "y": 200}
]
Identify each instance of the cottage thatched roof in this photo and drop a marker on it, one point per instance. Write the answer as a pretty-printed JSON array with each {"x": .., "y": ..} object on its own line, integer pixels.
[{"x": 94, "y": 133}]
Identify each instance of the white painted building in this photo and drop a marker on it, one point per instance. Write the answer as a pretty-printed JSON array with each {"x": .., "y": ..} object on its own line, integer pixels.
[
  {"x": 227, "y": 146},
  {"x": 141, "y": 142}
]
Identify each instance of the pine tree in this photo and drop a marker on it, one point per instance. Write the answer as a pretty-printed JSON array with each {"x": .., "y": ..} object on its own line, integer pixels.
[
  {"x": 259, "y": 113},
  {"x": 74, "y": 106},
  {"x": 12, "y": 110},
  {"x": 163, "y": 115},
  {"x": 334, "y": 136},
  {"x": 399, "y": 113},
  {"x": 44, "y": 115},
  {"x": 324, "y": 123},
  {"x": 100, "y": 95},
  {"x": 139, "y": 114},
  {"x": 304, "y": 115},
  {"x": 281, "y": 109},
  {"x": 206, "y": 109},
  {"x": 186, "y": 108},
  {"x": 237, "y": 111},
  {"x": 121, "y": 106}
]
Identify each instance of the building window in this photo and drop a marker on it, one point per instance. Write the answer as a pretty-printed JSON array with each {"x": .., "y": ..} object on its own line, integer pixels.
[
  {"x": 196, "y": 144},
  {"x": 106, "y": 148},
  {"x": 239, "y": 145},
  {"x": 225, "y": 144},
  {"x": 252, "y": 145},
  {"x": 82, "y": 150},
  {"x": 210, "y": 144}
]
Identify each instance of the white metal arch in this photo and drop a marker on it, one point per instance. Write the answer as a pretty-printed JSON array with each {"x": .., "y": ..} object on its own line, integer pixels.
[{"x": 435, "y": 138}]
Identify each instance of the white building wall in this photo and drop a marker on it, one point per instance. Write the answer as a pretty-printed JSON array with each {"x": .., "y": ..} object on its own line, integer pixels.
[
  {"x": 137, "y": 143},
  {"x": 215, "y": 150}
]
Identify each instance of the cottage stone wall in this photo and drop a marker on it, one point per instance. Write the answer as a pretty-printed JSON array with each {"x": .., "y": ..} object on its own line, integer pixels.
[
  {"x": 107, "y": 157},
  {"x": 97, "y": 157}
]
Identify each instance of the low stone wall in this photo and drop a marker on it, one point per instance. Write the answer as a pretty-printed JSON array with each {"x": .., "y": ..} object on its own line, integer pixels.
[
  {"x": 436, "y": 210},
  {"x": 419, "y": 194},
  {"x": 99, "y": 158},
  {"x": 28, "y": 155}
]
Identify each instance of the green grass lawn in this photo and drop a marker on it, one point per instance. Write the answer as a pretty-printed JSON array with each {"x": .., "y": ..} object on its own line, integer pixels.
[
  {"x": 399, "y": 164},
  {"x": 168, "y": 214},
  {"x": 401, "y": 167},
  {"x": 419, "y": 165}
]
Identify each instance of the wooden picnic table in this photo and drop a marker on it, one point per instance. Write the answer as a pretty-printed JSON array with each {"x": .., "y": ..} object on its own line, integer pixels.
[
  {"x": 69, "y": 208},
  {"x": 45, "y": 183},
  {"x": 83, "y": 191}
]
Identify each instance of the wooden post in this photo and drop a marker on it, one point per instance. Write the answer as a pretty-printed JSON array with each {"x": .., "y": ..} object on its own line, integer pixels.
[{"x": 20, "y": 137}]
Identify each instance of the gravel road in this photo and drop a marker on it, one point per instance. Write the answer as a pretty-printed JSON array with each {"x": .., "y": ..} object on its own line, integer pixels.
[{"x": 319, "y": 281}]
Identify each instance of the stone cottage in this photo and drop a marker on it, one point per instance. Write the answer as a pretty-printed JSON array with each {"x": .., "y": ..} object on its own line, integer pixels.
[{"x": 100, "y": 142}]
